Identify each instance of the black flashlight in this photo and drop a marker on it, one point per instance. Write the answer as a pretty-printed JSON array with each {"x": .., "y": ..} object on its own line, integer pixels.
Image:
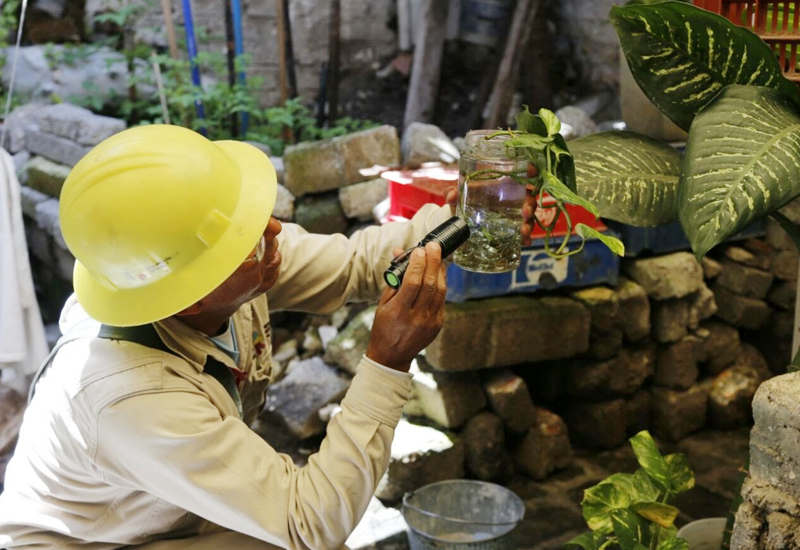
[{"x": 450, "y": 235}]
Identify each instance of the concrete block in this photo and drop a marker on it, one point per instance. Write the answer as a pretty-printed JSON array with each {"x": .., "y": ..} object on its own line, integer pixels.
[
  {"x": 711, "y": 268},
  {"x": 367, "y": 148},
  {"x": 545, "y": 447},
  {"x": 55, "y": 148},
  {"x": 757, "y": 259},
  {"x": 78, "y": 124},
  {"x": 309, "y": 386},
  {"x": 670, "y": 319},
  {"x": 730, "y": 395},
  {"x": 597, "y": 425},
  {"x": 702, "y": 306},
  {"x": 639, "y": 412},
  {"x": 617, "y": 377},
  {"x": 783, "y": 294},
  {"x": 605, "y": 339},
  {"x": 484, "y": 442},
  {"x": 677, "y": 413},
  {"x": 748, "y": 528},
  {"x": 420, "y": 455},
  {"x": 320, "y": 214},
  {"x": 510, "y": 331},
  {"x": 785, "y": 264},
  {"x": 359, "y": 199},
  {"x": 719, "y": 346},
  {"x": 677, "y": 363},
  {"x": 510, "y": 399},
  {"x": 634, "y": 310},
  {"x": 46, "y": 176},
  {"x": 448, "y": 399},
  {"x": 739, "y": 311},
  {"x": 745, "y": 281},
  {"x": 663, "y": 277}
]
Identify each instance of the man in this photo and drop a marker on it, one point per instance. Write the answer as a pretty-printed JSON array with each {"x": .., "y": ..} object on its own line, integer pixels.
[{"x": 133, "y": 445}]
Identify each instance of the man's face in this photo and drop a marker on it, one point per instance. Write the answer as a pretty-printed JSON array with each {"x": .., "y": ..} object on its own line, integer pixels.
[{"x": 256, "y": 275}]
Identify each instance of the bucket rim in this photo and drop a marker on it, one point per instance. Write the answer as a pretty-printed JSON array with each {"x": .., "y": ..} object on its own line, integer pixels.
[{"x": 514, "y": 524}]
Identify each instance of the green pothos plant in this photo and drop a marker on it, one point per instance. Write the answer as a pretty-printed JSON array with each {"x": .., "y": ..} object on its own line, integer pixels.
[
  {"x": 725, "y": 87},
  {"x": 633, "y": 511},
  {"x": 538, "y": 139}
]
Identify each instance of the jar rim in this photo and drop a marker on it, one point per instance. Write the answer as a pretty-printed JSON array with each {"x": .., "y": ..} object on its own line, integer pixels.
[{"x": 476, "y": 142}]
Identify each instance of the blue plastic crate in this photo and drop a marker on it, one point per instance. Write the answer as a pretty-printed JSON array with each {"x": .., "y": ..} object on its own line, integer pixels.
[
  {"x": 666, "y": 238},
  {"x": 595, "y": 265}
]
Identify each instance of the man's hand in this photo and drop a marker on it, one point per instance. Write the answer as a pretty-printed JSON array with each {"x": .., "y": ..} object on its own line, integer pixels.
[
  {"x": 528, "y": 208},
  {"x": 407, "y": 320}
]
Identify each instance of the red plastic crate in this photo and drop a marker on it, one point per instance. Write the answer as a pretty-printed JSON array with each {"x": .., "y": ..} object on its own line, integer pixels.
[
  {"x": 410, "y": 190},
  {"x": 776, "y": 22}
]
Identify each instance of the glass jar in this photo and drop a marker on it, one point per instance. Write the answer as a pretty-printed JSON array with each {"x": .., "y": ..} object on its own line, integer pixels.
[{"x": 491, "y": 203}]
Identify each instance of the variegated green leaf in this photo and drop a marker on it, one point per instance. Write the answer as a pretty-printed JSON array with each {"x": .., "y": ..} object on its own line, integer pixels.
[
  {"x": 742, "y": 163},
  {"x": 614, "y": 244},
  {"x": 562, "y": 193},
  {"x": 630, "y": 529},
  {"x": 683, "y": 56},
  {"x": 650, "y": 458},
  {"x": 657, "y": 512},
  {"x": 598, "y": 503},
  {"x": 674, "y": 544},
  {"x": 680, "y": 474},
  {"x": 629, "y": 177},
  {"x": 587, "y": 541}
]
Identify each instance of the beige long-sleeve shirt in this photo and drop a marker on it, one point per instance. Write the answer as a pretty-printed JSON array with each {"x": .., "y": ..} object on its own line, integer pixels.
[{"x": 123, "y": 444}]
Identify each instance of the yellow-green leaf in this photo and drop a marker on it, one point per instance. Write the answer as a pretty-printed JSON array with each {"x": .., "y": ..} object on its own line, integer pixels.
[
  {"x": 657, "y": 512},
  {"x": 614, "y": 244}
]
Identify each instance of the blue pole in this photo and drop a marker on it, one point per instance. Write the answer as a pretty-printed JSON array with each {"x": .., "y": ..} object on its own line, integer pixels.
[
  {"x": 191, "y": 46},
  {"x": 238, "y": 38}
]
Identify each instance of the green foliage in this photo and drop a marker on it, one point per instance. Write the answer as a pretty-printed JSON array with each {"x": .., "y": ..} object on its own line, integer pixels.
[
  {"x": 632, "y": 511},
  {"x": 9, "y": 21}
]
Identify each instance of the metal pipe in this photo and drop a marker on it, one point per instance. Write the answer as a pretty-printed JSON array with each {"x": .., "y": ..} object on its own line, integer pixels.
[
  {"x": 238, "y": 37},
  {"x": 191, "y": 47}
]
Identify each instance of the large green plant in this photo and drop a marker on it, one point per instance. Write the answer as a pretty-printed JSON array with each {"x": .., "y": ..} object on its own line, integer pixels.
[{"x": 633, "y": 511}]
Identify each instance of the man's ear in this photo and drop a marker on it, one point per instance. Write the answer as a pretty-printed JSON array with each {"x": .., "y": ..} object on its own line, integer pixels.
[{"x": 193, "y": 309}]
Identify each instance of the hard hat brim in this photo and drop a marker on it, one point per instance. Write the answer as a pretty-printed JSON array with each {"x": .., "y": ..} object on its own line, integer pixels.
[{"x": 186, "y": 286}]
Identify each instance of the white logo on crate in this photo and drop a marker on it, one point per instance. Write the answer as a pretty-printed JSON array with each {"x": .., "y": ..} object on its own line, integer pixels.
[{"x": 534, "y": 264}]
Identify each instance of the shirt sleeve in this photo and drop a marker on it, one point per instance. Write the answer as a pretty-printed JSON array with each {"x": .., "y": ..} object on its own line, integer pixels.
[
  {"x": 177, "y": 447},
  {"x": 320, "y": 273}
]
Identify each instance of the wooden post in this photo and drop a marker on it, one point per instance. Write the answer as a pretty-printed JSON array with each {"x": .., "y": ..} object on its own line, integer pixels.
[
  {"x": 333, "y": 62},
  {"x": 507, "y": 74},
  {"x": 166, "y": 7},
  {"x": 426, "y": 69}
]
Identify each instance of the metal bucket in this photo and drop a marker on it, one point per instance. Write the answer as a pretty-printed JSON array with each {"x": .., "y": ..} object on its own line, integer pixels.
[{"x": 462, "y": 515}]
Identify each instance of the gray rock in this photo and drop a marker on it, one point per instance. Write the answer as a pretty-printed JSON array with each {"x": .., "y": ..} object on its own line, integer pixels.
[
  {"x": 40, "y": 244},
  {"x": 783, "y": 294},
  {"x": 30, "y": 198},
  {"x": 54, "y": 8},
  {"x": 746, "y": 257},
  {"x": 777, "y": 237},
  {"x": 64, "y": 263},
  {"x": 617, "y": 377},
  {"x": 783, "y": 532},
  {"x": 47, "y": 219},
  {"x": 19, "y": 121},
  {"x": 420, "y": 455},
  {"x": 670, "y": 319},
  {"x": 605, "y": 339},
  {"x": 711, "y": 268},
  {"x": 577, "y": 122},
  {"x": 20, "y": 160},
  {"x": 510, "y": 399},
  {"x": 380, "y": 528},
  {"x": 485, "y": 447},
  {"x": 748, "y": 529},
  {"x": 78, "y": 124},
  {"x": 427, "y": 143},
  {"x": 47, "y": 176},
  {"x": 639, "y": 412},
  {"x": 284, "y": 204},
  {"x": 359, "y": 199},
  {"x": 55, "y": 148},
  {"x": 309, "y": 386},
  {"x": 448, "y": 399},
  {"x": 280, "y": 169},
  {"x": 351, "y": 343},
  {"x": 546, "y": 447},
  {"x": 671, "y": 276},
  {"x": 785, "y": 264},
  {"x": 320, "y": 214}
]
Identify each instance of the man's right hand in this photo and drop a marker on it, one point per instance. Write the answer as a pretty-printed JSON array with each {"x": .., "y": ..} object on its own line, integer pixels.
[{"x": 408, "y": 319}]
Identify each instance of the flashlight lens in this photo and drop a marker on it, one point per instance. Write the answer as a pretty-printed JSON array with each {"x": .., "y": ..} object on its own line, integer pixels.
[{"x": 391, "y": 279}]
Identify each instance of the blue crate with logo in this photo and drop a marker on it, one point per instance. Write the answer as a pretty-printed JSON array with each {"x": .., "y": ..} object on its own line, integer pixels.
[
  {"x": 666, "y": 238},
  {"x": 595, "y": 265}
]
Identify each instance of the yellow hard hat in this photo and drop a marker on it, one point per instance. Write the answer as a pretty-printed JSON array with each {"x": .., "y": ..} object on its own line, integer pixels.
[{"x": 159, "y": 216}]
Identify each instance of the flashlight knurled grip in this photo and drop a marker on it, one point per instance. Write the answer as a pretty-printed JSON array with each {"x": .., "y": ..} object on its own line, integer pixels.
[{"x": 450, "y": 235}]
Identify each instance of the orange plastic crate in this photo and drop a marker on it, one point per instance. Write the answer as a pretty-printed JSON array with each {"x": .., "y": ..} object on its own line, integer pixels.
[{"x": 775, "y": 22}]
